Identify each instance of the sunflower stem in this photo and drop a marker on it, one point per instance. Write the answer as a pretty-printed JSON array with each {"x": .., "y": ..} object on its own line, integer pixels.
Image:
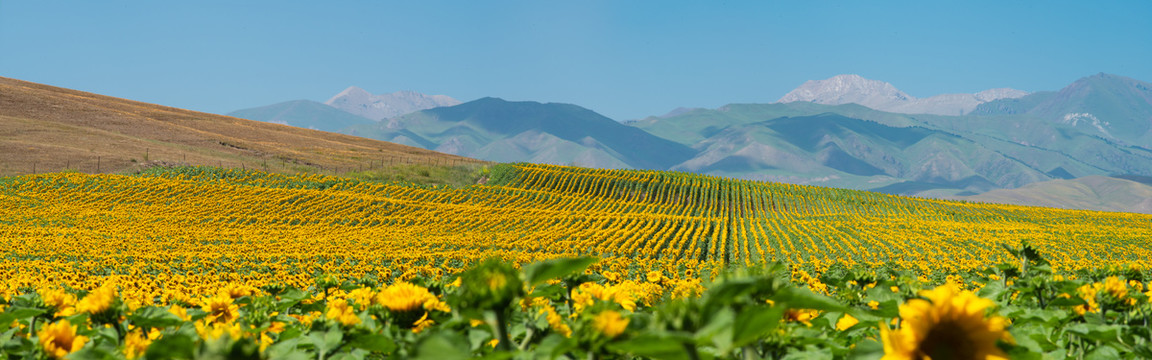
[
  {"x": 527, "y": 337},
  {"x": 691, "y": 350},
  {"x": 502, "y": 330}
]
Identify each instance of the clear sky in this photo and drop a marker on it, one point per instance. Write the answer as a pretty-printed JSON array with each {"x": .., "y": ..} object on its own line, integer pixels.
[{"x": 625, "y": 59}]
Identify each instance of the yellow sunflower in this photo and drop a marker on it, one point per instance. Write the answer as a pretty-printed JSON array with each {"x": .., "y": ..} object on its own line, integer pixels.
[
  {"x": 59, "y": 339},
  {"x": 220, "y": 308},
  {"x": 97, "y": 301},
  {"x": 610, "y": 323},
  {"x": 951, "y": 324},
  {"x": 403, "y": 297}
]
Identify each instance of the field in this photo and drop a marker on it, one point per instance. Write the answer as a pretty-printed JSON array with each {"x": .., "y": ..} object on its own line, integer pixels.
[{"x": 290, "y": 249}]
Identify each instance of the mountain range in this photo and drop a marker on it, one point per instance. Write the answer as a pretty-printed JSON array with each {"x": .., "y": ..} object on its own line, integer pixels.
[
  {"x": 879, "y": 95},
  {"x": 846, "y": 131}
]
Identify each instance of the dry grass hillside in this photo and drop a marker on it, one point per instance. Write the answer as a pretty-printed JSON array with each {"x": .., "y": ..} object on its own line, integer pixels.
[{"x": 45, "y": 128}]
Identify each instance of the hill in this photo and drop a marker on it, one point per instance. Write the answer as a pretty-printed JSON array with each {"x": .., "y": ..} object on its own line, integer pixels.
[
  {"x": 45, "y": 128},
  {"x": 498, "y": 130},
  {"x": 1100, "y": 193},
  {"x": 1114, "y": 107},
  {"x": 303, "y": 113}
]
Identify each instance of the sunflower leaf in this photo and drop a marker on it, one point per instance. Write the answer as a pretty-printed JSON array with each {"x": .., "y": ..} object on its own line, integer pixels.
[{"x": 545, "y": 270}]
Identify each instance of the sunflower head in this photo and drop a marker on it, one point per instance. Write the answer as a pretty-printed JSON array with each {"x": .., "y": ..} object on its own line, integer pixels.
[
  {"x": 404, "y": 297},
  {"x": 407, "y": 302},
  {"x": 220, "y": 308},
  {"x": 136, "y": 343},
  {"x": 947, "y": 324},
  {"x": 97, "y": 300},
  {"x": 58, "y": 300},
  {"x": 493, "y": 284},
  {"x": 342, "y": 312},
  {"x": 60, "y": 339},
  {"x": 610, "y": 323}
]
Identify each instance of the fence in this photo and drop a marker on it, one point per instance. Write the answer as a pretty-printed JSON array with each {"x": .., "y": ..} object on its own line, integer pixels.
[{"x": 102, "y": 164}]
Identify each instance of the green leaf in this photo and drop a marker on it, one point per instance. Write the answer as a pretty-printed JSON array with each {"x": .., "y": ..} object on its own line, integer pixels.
[
  {"x": 802, "y": 298},
  {"x": 1072, "y": 301},
  {"x": 550, "y": 291},
  {"x": 545, "y": 270},
  {"x": 718, "y": 330},
  {"x": 373, "y": 342},
  {"x": 94, "y": 353},
  {"x": 755, "y": 323},
  {"x": 332, "y": 338},
  {"x": 1103, "y": 353},
  {"x": 172, "y": 346},
  {"x": 867, "y": 350},
  {"x": 651, "y": 346},
  {"x": 16, "y": 313},
  {"x": 1094, "y": 331},
  {"x": 154, "y": 317},
  {"x": 348, "y": 356},
  {"x": 445, "y": 346},
  {"x": 810, "y": 354}
]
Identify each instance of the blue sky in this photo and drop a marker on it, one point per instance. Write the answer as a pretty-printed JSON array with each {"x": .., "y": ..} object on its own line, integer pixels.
[{"x": 624, "y": 59}]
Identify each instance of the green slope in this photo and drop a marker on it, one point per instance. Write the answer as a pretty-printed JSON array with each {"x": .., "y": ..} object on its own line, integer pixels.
[
  {"x": 1110, "y": 106},
  {"x": 303, "y": 113}
]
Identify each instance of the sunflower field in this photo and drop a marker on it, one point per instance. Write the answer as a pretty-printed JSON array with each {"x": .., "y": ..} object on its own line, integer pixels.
[{"x": 553, "y": 262}]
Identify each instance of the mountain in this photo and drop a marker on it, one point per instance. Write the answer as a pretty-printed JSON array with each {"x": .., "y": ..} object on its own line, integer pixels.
[
  {"x": 379, "y": 107},
  {"x": 1110, "y": 106},
  {"x": 834, "y": 150},
  {"x": 498, "y": 130},
  {"x": 45, "y": 128},
  {"x": 857, "y": 147},
  {"x": 879, "y": 95},
  {"x": 303, "y": 113},
  {"x": 1101, "y": 193}
]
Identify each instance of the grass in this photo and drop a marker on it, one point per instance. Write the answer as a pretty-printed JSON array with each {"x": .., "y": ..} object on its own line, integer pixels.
[{"x": 454, "y": 176}]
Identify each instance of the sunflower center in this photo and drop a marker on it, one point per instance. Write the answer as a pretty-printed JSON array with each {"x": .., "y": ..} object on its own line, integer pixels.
[{"x": 948, "y": 341}]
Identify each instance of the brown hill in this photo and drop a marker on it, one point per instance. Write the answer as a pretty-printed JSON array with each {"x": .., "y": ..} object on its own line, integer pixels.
[{"x": 45, "y": 128}]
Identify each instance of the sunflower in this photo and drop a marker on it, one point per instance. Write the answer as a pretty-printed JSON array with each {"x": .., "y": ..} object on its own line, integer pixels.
[
  {"x": 408, "y": 302},
  {"x": 97, "y": 301},
  {"x": 220, "y": 308},
  {"x": 136, "y": 343},
  {"x": 339, "y": 310},
  {"x": 610, "y": 323},
  {"x": 950, "y": 324},
  {"x": 404, "y": 297},
  {"x": 59, "y": 339},
  {"x": 846, "y": 322}
]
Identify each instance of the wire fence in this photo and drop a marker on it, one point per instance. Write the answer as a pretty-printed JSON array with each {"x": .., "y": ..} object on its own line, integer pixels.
[{"x": 102, "y": 164}]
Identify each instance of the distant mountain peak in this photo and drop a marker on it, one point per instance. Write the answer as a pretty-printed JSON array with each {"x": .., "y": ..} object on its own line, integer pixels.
[
  {"x": 351, "y": 91},
  {"x": 879, "y": 95},
  {"x": 844, "y": 89},
  {"x": 379, "y": 107}
]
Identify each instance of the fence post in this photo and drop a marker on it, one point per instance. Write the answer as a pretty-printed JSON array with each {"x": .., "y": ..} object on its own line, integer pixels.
[{"x": 97, "y": 164}]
